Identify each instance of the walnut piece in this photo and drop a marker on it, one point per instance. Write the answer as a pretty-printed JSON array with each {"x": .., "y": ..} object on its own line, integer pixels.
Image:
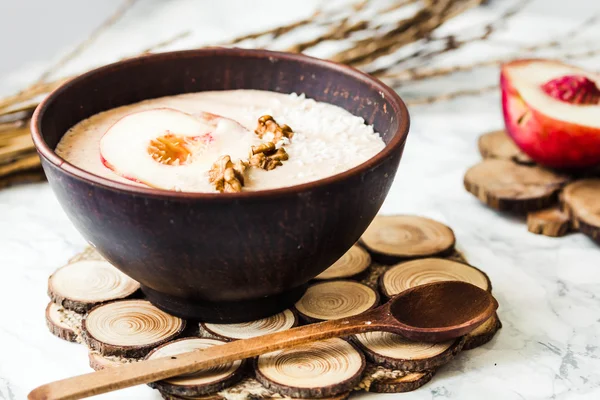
[
  {"x": 267, "y": 157},
  {"x": 227, "y": 176},
  {"x": 266, "y": 124}
]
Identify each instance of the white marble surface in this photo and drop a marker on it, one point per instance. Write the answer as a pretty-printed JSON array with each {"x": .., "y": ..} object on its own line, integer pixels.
[{"x": 547, "y": 288}]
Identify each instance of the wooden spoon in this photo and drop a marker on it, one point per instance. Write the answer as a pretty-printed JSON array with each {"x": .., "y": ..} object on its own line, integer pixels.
[{"x": 434, "y": 312}]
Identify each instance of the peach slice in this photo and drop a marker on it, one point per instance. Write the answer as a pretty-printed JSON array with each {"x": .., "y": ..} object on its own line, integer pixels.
[
  {"x": 169, "y": 149},
  {"x": 552, "y": 112}
]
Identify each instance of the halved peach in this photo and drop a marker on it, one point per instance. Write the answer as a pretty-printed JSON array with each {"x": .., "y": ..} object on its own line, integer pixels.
[
  {"x": 169, "y": 149},
  {"x": 552, "y": 112}
]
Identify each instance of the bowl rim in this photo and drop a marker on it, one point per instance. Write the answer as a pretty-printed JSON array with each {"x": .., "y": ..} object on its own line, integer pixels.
[{"x": 396, "y": 143}]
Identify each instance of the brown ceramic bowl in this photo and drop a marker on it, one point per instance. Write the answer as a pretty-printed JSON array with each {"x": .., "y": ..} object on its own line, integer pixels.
[{"x": 222, "y": 257}]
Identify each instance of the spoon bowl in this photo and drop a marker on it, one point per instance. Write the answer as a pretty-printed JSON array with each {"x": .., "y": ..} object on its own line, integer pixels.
[
  {"x": 434, "y": 312},
  {"x": 440, "y": 311}
]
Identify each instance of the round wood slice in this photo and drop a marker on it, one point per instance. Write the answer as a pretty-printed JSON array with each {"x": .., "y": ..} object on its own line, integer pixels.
[
  {"x": 352, "y": 264},
  {"x": 394, "y": 351},
  {"x": 89, "y": 253},
  {"x": 168, "y": 396},
  {"x": 407, "y": 383},
  {"x": 129, "y": 328},
  {"x": 207, "y": 381},
  {"x": 380, "y": 379},
  {"x": 498, "y": 144},
  {"x": 321, "y": 369},
  {"x": 276, "y": 323},
  {"x": 483, "y": 333},
  {"x": 84, "y": 284},
  {"x": 392, "y": 238},
  {"x": 336, "y": 299},
  {"x": 409, "y": 274},
  {"x": 551, "y": 222},
  {"x": 506, "y": 186},
  {"x": 97, "y": 361},
  {"x": 242, "y": 395},
  {"x": 61, "y": 325},
  {"x": 580, "y": 200}
]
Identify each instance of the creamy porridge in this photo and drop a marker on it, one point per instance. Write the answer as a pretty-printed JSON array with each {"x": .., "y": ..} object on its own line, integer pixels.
[{"x": 177, "y": 142}]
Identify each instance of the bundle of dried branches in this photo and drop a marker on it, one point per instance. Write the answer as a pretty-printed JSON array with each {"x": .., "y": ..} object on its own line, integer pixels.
[
  {"x": 17, "y": 155},
  {"x": 367, "y": 43}
]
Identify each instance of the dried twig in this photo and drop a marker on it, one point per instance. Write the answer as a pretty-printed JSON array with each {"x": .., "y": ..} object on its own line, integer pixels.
[
  {"x": 421, "y": 73},
  {"x": 14, "y": 104},
  {"x": 337, "y": 32},
  {"x": 109, "y": 22},
  {"x": 406, "y": 31},
  {"x": 165, "y": 43},
  {"x": 450, "y": 95},
  {"x": 582, "y": 54}
]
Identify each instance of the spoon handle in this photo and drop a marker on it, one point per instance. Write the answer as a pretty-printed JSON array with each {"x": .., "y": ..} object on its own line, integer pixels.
[{"x": 111, "y": 379}]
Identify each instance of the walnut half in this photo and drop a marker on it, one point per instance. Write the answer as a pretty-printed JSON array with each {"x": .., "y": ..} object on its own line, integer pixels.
[
  {"x": 265, "y": 156},
  {"x": 266, "y": 124},
  {"x": 227, "y": 176}
]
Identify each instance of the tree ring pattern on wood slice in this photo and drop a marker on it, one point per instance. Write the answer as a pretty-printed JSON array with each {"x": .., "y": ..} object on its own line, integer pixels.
[
  {"x": 392, "y": 238},
  {"x": 316, "y": 370},
  {"x": 354, "y": 262},
  {"x": 63, "y": 323},
  {"x": 276, "y": 323},
  {"x": 394, "y": 351},
  {"x": 409, "y": 274},
  {"x": 483, "y": 333},
  {"x": 98, "y": 361},
  {"x": 580, "y": 200},
  {"x": 129, "y": 328},
  {"x": 506, "y": 186},
  {"x": 336, "y": 299},
  {"x": 551, "y": 222},
  {"x": 498, "y": 144},
  {"x": 207, "y": 381},
  {"x": 81, "y": 285}
]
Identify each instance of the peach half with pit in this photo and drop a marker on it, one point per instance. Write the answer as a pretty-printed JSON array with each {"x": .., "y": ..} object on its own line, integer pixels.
[
  {"x": 162, "y": 147},
  {"x": 552, "y": 112}
]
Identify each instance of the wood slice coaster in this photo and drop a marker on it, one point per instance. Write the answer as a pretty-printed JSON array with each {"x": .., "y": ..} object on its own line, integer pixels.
[
  {"x": 89, "y": 253},
  {"x": 581, "y": 201},
  {"x": 503, "y": 182},
  {"x": 97, "y": 361},
  {"x": 551, "y": 222},
  {"x": 247, "y": 389},
  {"x": 483, "y": 334},
  {"x": 351, "y": 265},
  {"x": 81, "y": 285},
  {"x": 129, "y": 337},
  {"x": 279, "y": 322},
  {"x": 409, "y": 274},
  {"x": 129, "y": 328},
  {"x": 379, "y": 379},
  {"x": 506, "y": 186},
  {"x": 396, "y": 352},
  {"x": 336, "y": 299},
  {"x": 499, "y": 145},
  {"x": 63, "y": 323},
  {"x": 320, "y": 369},
  {"x": 397, "y": 237},
  {"x": 198, "y": 384},
  {"x": 168, "y": 396}
]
